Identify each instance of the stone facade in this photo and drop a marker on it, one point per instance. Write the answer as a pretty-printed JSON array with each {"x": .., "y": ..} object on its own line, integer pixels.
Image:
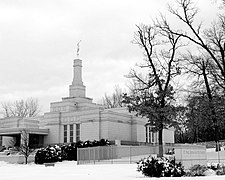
[{"x": 77, "y": 118}]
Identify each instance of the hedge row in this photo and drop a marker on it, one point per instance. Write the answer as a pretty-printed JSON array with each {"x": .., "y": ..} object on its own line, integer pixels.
[{"x": 59, "y": 153}]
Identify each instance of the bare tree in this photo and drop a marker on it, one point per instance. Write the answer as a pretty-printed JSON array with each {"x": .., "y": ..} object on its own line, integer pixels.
[
  {"x": 153, "y": 92},
  {"x": 25, "y": 149},
  {"x": 115, "y": 100},
  {"x": 209, "y": 67},
  {"x": 210, "y": 40},
  {"x": 21, "y": 108},
  {"x": 200, "y": 67}
]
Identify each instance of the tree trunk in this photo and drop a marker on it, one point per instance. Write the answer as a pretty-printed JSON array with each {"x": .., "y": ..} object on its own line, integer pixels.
[
  {"x": 161, "y": 142},
  {"x": 161, "y": 129},
  {"x": 26, "y": 159},
  {"x": 211, "y": 106}
]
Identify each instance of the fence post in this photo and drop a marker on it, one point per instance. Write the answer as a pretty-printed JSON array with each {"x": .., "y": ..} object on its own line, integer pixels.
[
  {"x": 149, "y": 151},
  {"x": 98, "y": 153},
  {"x": 77, "y": 156},
  {"x": 218, "y": 156},
  {"x": 89, "y": 155},
  {"x": 94, "y": 155},
  {"x": 181, "y": 155},
  {"x": 111, "y": 154},
  {"x": 130, "y": 153}
]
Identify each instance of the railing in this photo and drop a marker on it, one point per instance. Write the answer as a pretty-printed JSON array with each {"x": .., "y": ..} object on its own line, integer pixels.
[
  {"x": 116, "y": 154},
  {"x": 187, "y": 154}
]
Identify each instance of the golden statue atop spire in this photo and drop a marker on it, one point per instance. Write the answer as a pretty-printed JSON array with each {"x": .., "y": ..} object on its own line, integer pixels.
[{"x": 78, "y": 48}]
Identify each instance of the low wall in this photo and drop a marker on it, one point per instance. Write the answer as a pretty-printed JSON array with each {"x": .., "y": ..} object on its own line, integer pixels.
[
  {"x": 189, "y": 154},
  {"x": 216, "y": 157},
  {"x": 19, "y": 159}
]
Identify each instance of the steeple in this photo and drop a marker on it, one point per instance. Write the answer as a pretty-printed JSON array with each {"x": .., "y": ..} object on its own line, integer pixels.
[{"x": 77, "y": 89}]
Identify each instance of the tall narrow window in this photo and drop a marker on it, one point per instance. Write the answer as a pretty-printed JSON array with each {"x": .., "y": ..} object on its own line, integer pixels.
[
  {"x": 65, "y": 133},
  {"x": 149, "y": 136},
  {"x": 71, "y": 132},
  {"x": 153, "y": 137},
  {"x": 146, "y": 133},
  {"x": 77, "y": 132}
]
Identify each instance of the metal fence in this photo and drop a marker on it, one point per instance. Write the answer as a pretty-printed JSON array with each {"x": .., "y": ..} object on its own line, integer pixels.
[
  {"x": 187, "y": 154},
  {"x": 116, "y": 154}
]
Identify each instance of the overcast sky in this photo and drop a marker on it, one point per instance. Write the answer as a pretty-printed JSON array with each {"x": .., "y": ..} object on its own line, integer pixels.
[{"x": 38, "y": 44}]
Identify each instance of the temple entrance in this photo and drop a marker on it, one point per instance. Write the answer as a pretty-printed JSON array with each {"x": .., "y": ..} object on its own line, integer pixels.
[
  {"x": 11, "y": 140},
  {"x": 15, "y": 137},
  {"x": 36, "y": 140},
  {"x": 17, "y": 140}
]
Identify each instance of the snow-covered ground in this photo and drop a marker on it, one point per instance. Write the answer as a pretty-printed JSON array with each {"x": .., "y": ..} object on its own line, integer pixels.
[{"x": 71, "y": 171}]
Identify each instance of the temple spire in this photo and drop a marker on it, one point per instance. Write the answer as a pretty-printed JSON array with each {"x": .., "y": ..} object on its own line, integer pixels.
[{"x": 77, "y": 89}]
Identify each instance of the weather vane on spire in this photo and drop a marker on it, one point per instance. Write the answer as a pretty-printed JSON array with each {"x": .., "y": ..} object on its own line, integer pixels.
[{"x": 78, "y": 48}]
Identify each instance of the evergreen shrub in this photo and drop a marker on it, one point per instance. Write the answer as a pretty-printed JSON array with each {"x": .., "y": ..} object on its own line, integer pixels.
[
  {"x": 210, "y": 169},
  {"x": 48, "y": 154},
  {"x": 220, "y": 171},
  {"x": 197, "y": 170},
  {"x": 69, "y": 152},
  {"x": 64, "y": 152},
  {"x": 160, "y": 167},
  {"x": 218, "y": 168}
]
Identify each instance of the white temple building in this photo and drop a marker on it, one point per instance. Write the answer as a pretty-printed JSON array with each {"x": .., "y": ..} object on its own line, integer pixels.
[{"x": 77, "y": 118}]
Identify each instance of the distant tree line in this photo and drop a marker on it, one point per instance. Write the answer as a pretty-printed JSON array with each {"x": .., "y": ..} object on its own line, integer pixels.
[
  {"x": 20, "y": 108},
  {"x": 196, "y": 124}
]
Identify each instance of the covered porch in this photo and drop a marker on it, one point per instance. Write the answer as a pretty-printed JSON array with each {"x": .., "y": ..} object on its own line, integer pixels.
[{"x": 15, "y": 137}]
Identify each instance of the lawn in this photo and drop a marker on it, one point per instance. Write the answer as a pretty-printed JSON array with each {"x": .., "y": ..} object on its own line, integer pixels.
[{"x": 71, "y": 171}]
